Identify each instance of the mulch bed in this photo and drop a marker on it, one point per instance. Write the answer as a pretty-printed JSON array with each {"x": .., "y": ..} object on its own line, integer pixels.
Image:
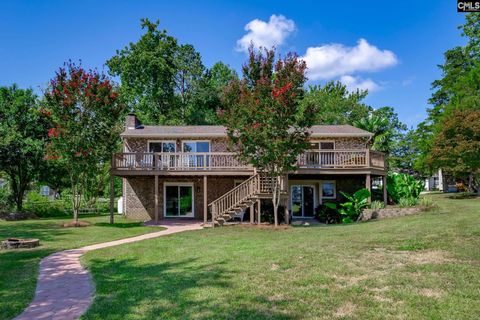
[{"x": 75, "y": 224}]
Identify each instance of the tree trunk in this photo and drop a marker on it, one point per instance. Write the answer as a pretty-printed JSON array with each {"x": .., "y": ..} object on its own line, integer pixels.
[
  {"x": 276, "y": 198},
  {"x": 470, "y": 183}
]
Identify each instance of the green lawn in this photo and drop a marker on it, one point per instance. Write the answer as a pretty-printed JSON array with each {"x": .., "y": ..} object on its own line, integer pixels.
[
  {"x": 19, "y": 268},
  {"x": 418, "y": 267}
]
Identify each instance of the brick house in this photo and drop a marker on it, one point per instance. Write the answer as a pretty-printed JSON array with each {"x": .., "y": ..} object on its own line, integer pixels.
[{"x": 188, "y": 172}]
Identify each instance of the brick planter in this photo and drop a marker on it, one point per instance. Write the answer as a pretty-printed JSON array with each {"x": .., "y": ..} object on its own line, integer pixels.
[{"x": 369, "y": 214}]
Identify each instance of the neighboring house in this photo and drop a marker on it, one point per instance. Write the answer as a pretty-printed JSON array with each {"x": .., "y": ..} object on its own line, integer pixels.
[
  {"x": 188, "y": 172},
  {"x": 435, "y": 182}
]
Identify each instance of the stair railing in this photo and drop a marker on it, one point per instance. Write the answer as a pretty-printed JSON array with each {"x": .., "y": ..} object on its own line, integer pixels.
[{"x": 232, "y": 198}]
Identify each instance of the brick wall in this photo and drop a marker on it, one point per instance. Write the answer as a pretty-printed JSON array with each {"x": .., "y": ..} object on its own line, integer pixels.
[{"x": 140, "y": 193}]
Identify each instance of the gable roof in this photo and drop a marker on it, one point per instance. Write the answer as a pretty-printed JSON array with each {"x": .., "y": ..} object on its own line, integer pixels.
[{"x": 317, "y": 131}]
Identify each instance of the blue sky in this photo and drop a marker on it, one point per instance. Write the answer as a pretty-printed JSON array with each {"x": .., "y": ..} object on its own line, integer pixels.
[{"x": 403, "y": 41}]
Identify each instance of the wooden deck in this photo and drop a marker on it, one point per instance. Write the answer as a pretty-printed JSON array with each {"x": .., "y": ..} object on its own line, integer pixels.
[{"x": 228, "y": 163}]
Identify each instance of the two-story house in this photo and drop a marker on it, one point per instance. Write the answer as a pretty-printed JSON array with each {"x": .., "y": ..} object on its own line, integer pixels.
[{"x": 188, "y": 172}]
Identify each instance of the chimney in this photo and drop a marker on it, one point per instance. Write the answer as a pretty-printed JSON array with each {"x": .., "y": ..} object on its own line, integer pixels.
[{"x": 131, "y": 122}]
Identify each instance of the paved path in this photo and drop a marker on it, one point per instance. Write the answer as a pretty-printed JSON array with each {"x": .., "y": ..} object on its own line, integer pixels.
[{"x": 65, "y": 289}]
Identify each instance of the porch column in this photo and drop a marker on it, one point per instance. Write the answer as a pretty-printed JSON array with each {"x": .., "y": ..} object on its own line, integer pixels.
[
  {"x": 156, "y": 198},
  {"x": 368, "y": 185},
  {"x": 385, "y": 196},
  {"x": 252, "y": 214},
  {"x": 259, "y": 208},
  {"x": 205, "y": 204},
  {"x": 112, "y": 198}
]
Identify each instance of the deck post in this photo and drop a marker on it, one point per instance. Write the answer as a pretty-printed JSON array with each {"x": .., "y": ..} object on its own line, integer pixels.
[
  {"x": 384, "y": 184},
  {"x": 368, "y": 185},
  {"x": 112, "y": 198},
  {"x": 259, "y": 209},
  {"x": 252, "y": 214},
  {"x": 205, "y": 204},
  {"x": 156, "y": 198}
]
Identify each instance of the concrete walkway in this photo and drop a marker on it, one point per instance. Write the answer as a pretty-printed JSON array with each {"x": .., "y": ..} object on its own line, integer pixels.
[{"x": 65, "y": 289}]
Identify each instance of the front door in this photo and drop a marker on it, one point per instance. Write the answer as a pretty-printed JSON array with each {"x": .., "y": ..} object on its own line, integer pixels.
[
  {"x": 178, "y": 200},
  {"x": 303, "y": 201}
]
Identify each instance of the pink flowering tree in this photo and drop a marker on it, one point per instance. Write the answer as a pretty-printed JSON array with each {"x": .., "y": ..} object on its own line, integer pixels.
[
  {"x": 86, "y": 116},
  {"x": 265, "y": 120}
]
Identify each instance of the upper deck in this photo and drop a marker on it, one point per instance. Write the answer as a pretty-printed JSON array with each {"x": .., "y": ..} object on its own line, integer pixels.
[{"x": 228, "y": 163}]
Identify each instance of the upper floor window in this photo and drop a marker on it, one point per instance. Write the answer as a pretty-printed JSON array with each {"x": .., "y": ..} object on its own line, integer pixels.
[
  {"x": 327, "y": 145},
  {"x": 196, "y": 146},
  {"x": 161, "y": 146}
]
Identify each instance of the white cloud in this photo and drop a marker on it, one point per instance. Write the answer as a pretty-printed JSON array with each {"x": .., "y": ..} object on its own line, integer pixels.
[
  {"x": 266, "y": 34},
  {"x": 354, "y": 83},
  {"x": 334, "y": 60}
]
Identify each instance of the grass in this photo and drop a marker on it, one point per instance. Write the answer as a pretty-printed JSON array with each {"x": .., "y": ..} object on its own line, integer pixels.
[
  {"x": 19, "y": 268},
  {"x": 416, "y": 267}
]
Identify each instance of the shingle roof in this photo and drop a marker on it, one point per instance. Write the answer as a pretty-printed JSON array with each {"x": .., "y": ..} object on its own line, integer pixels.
[{"x": 220, "y": 131}]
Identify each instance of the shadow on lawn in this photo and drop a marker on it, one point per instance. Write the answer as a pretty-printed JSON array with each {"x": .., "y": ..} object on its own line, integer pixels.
[
  {"x": 182, "y": 290},
  {"x": 122, "y": 225},
  {"x": 18, "y": 269}
]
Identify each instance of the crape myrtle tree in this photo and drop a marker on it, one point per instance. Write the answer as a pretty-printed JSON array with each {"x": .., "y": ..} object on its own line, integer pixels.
[
  {"x": 266, "y": 123},
  {"x": 22, "y": 139},
  {"x": 87, "y": 115}
]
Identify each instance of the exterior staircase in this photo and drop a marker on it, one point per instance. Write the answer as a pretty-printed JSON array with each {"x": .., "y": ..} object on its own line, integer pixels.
[{"x": 242, "y": 197}]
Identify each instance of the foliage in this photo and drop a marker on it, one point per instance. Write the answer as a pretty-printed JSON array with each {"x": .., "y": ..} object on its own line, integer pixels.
[
  {"x": 375, "y": 205},
  {"x": 386, "y": 127},
  {"x": 265, "y": 120},
  {"x": 426, "y": 202},
  {"x": 22, "y": 138},
  {"x": 147, "y": 70},
  {"x": 456, "y": 91},
  {"x": 335, "y": 104},
  {"x": 456, "y": 147},
  {"x": 401, "y": 185},
  {"x": 5, "y": 196},
  {"x": 407, "y": 202},
  {"x": 86, "y": 114},
  {"x": 327, "y": 213},
  {"x": 352, "y": 209},
  {"x": 43, "y": 207},
  {"x": 164, "y": 82}
]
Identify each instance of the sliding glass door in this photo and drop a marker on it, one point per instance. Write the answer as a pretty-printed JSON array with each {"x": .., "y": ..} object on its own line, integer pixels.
[
  {"x": 178, "y": 200},
  {"x": 303, "y": 201}
]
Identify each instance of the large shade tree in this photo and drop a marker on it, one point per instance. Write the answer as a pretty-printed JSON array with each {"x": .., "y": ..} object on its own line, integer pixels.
[
  {"x": 456, "y": 147},
  {"x": 22, "y": 139},
  {"x": 86, "y": 114},
  {"x": 264, "y": 116}
]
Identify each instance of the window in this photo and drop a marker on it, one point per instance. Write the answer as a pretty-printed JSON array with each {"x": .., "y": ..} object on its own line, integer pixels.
[
  {"x": 330, "y": 145},
  {"x": 161, "y": 146},
  {"x": 328, "y": 190},
  {"x": 196, "y": 146},
  {"x": 44, "y": 190},
  {"x": 314, "y": 146}
]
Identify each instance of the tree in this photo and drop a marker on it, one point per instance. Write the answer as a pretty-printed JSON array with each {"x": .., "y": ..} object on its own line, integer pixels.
[
  {"x": 148, "y": 71},
  {"x": 387, "y": 129},
  {"x": 336, "y": 104},
  {"x": 457, "y": 146},
  {"x": 265, "y": 119},
  {"x": 22, "y": 139},
  {"x": 87, "y": 118}
]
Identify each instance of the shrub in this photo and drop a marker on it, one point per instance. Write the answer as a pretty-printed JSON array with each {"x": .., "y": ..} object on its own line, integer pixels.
[
  {"x": 328, "y": 213},
  {"x": 4, "y": 198},
  {"x": 43, "y": 207},
  {"x": 426, "y": 203},
  {"x": 375, "y": 205},
  {"x": 352, "y": 209},
  {"x": 407, "y": 202},
  {"x": 400, "y": 185}
]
